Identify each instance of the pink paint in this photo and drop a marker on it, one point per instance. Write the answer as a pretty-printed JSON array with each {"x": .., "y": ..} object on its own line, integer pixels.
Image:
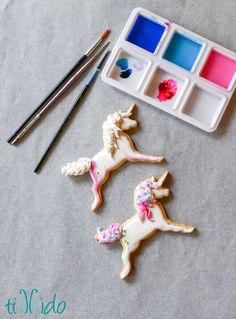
[
  {"x": 166, "y": 90},
  {"x": 168, "y": 24},
  {"x": 219, "y": 69}
]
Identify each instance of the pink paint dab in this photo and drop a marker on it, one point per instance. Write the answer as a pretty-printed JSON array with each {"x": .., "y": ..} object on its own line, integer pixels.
[
  {"x": 166, "y": 90},
  {"x": 219, "y": 69}
]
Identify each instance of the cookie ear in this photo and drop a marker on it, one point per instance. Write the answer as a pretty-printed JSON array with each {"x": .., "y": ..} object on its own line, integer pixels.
[
  {"x": 162, "y": 178},
  {"x": 131, "y": 108}
]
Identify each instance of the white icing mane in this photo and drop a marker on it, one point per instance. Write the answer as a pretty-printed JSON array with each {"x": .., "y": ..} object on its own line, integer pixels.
[{"x": 111, "y": 130}]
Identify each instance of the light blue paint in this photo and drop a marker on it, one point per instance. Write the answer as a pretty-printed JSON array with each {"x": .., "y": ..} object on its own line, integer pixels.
[
  {"x": 122, "y": 63},
  {"x": 183, "y": 51}
]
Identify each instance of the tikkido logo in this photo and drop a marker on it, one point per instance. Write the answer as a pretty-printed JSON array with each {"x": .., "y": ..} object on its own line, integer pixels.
[{"x": 33, "y": 303}]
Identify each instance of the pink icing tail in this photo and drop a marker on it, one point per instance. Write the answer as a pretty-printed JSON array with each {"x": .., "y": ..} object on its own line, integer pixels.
[{"x": 110, "y": 235}]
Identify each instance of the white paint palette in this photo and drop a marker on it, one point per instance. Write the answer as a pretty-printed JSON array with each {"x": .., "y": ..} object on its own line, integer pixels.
[{"x": 173, "y": 69}]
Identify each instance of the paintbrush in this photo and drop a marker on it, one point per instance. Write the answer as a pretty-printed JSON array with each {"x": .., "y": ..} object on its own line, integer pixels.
[
  {"x": 85, "y": 89},
  {"x": 60, "y": 88},
  {"x": 71, "y": 81}
]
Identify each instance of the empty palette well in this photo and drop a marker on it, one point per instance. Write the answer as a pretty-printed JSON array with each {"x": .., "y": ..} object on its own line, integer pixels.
[
  {"x": 204, "y": 106},
  {"x": 219, "y": 69},
  {"x": 146, "y": 33},
  {"x": 171, "y": 94},
  {"x": 128, "y": 70},
  {"x": 183, "y": 51}
]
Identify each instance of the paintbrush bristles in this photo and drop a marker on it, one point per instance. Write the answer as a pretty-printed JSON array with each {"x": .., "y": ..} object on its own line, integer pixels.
[
  {"x": 97, "y": 43},
  {"x": 105, "y": 34}
]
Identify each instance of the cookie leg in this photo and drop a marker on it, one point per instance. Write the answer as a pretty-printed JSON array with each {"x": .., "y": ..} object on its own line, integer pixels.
[
  {"x": 126, "y": 267},
  {"x": 97, "y": 196},
  {"x": 135, "y": 156},
  {"x": 182, "y": 228}
]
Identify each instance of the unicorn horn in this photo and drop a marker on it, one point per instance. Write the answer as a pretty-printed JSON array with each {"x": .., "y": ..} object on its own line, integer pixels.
[
  {"x": 162, "y": 178},
  {"x": 131, "y": 108}
]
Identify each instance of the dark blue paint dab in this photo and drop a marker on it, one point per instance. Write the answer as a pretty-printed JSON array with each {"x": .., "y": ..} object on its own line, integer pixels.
[
  {"x": 146, "y": 33},
  {"x": 124, "y": 66},
  {"x": 125, "y": 74}
]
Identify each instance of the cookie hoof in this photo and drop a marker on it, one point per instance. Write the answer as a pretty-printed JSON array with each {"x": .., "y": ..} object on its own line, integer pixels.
[
  {"x": 123, "y": 274},
  {"x": 95, "y": 206},
  {"x": 189, "y": 230}
]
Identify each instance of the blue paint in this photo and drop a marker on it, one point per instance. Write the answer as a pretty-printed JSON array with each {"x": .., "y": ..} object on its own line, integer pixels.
[
  {"x": 124, "y": 66},
  {"x": 183, "y": 51},
  {"x": 125, "y": 74},
  {"x": 122, "y": 63},
  {"x": 146, "y": 33}
]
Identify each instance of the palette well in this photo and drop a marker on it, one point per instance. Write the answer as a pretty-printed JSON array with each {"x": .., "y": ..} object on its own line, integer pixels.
[
  {"x": 129, "y": 70},
  {"x": 219, "y": 69},
  {"x": 204, "y": 106},
  {"x": 173, "y": 69},
  {"x": 153, "y": 91},
  {"x": 183, "y": 51},
  {"x": 146, "y": 33}
]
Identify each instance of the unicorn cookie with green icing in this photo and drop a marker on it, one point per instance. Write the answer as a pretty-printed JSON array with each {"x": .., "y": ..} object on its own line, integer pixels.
[
  {"x": 149, "y": 218},
  {"x": 118, "y": 148}
]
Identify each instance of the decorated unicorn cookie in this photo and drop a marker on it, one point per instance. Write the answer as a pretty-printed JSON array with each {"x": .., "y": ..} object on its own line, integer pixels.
[
  {"x": 150, "y": 218},
  {"x": 118, "y": 148}
]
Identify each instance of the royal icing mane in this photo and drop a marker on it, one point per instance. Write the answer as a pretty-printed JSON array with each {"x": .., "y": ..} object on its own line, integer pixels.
[
  {"x": 144, "y": 199},
  {"x": 111, "y": 130}
]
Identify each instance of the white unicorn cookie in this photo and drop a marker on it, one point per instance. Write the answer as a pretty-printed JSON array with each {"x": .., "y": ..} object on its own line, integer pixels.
[
  {"x": 118, "y": 148},
  {"x": 150, "y": 218}
]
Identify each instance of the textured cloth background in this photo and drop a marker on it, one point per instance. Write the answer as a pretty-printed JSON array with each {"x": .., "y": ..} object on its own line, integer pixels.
[{"x": 46, "y": 227}]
